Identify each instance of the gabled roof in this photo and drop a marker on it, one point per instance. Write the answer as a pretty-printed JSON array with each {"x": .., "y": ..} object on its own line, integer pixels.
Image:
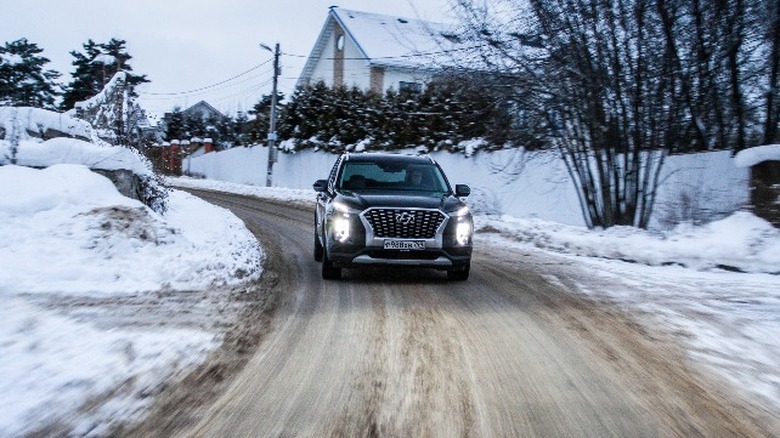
[
  {"x": 395, "y": 41},
  {"x": 388, "y": 41},
  {"x": 203, "y": 108}
]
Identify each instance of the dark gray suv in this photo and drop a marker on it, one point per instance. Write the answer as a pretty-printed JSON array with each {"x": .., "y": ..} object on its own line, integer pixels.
[{"x": 380, "y": 209}]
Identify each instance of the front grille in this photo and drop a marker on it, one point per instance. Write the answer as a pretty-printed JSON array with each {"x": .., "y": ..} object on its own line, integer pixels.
[{"x": 404, "y": 223}]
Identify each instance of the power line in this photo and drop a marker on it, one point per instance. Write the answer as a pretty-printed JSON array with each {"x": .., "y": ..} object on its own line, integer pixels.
[
  {"x": 159, "y": 96},
  {"x": 179, "y": 93}
]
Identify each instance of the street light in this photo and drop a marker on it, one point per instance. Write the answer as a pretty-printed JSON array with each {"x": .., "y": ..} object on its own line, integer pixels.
[{"x": 272, "y": 129}]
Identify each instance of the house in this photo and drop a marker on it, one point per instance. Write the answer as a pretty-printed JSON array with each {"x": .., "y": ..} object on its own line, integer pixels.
[
  {"x": 378, "y": 52},
  {"x": 204, "y": 111}
]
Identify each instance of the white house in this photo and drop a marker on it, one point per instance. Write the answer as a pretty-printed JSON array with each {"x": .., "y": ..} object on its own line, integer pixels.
[{"x": 378, "y": 52}]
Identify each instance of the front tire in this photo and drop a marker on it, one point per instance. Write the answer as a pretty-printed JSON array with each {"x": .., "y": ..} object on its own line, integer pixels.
[
  {"x": 329, "y": 272},
  {"x": 318, "y": 249},
  {"x": 460, "y": 274}
]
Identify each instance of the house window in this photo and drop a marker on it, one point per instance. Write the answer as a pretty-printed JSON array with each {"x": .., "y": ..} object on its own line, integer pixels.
[{"x": 411, "y": 87}]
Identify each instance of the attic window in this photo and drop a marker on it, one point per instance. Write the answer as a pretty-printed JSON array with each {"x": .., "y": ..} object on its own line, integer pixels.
[
  {"x": 403, "y": 21},
  {"x": 340, "y": 43}
]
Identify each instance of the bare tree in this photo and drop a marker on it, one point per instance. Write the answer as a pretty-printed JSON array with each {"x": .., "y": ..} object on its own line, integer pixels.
[
  {"x": 623, "y": 83},
  {"x": 769, "y": 13},
  {"x": 598, "y": 75}
]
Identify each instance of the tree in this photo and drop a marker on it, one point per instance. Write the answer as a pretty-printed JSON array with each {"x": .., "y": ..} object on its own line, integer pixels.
[
  {"x": 598, "y": 82},
  {"x": 23, "y": 79},
  {"x": 175, "y": 127},
  {"x": 95, "y": 67},
  {"x": 768, "y": 13}
]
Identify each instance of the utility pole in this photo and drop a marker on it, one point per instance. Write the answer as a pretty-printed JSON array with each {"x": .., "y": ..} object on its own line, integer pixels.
[{"x": 272, "y": 151}]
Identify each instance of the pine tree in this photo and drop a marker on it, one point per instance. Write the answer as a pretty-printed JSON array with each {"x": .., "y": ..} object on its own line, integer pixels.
[
  {"x": 23, "y": 80},
  {"x": 95, "y": 67},
  {"x": 259, "y": 127},
  {"x": 175, "y": 128},
  {"x": 241, "y": 130}
]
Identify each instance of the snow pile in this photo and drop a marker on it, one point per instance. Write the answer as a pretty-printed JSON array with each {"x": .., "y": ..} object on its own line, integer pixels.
[
  {"x": 72, "y": 151},
  {"x": 25, "y": 123},
  {"x": 26, "y": 128},
  {"x": 69, "y": 236},
  {"x": 740, "y": 242},
  {"x": 752, "y": 156},
  {"x": 106, "y": 243}
]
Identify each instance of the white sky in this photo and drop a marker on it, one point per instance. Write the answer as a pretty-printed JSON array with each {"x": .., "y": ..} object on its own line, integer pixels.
[{"x": 187, "y": 45}]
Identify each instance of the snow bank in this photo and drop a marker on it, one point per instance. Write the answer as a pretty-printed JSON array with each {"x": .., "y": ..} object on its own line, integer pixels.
[
  {"x": 68, "y": 236},
  {"x": 56, "y": 239},
  {"x": 752, "y": 156},
  {"x": 21, "y": 122},
  {"x": 741, "y": 242}
]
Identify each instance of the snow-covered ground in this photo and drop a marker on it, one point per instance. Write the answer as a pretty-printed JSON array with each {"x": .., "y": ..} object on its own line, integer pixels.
[{"x": 67, "y": 235}]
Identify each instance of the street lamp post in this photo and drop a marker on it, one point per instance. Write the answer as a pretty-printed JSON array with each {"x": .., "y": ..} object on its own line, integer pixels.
[{"x": 272, "y": 151}]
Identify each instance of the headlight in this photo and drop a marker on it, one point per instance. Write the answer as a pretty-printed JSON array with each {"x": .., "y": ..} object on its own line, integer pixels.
[
  {"x": 341, "y": 228},
  {"x": 463, "y": 232},
  {"x": 462, "y": 225},
  {"x": 342, "y": 221}
]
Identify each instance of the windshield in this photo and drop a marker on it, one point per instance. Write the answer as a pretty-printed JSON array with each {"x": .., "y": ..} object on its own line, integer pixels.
[{"x": 395, "y": 176}]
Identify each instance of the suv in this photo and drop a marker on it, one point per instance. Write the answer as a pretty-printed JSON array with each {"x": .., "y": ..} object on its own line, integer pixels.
[{"x": 380, "y": 209}]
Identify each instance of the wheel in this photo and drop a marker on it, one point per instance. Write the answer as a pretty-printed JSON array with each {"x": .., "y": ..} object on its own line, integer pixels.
[
  {"x": 329, "y": 272},
  {"x": 460, "y": 274},
  {"x": 318, "y": 249}
]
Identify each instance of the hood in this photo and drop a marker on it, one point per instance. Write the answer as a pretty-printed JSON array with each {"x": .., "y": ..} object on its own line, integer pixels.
[{"x": 362, "y": 201}]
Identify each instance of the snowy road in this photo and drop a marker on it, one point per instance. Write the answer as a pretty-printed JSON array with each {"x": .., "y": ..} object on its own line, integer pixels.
[{"x": 511, "y": 352}]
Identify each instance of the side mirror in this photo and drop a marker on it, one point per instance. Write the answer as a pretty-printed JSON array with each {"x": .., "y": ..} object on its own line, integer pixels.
[
  {"x": 462, "y": 190},
  {"x": 320, "y": 186}
]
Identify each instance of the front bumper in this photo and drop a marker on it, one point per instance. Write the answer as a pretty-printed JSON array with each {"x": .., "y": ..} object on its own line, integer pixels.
[
  {"x": 362, "y": 247},
  {"x": 444, "y": 259}
]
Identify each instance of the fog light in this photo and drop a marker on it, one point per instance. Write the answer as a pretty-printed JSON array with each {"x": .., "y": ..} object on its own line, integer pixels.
[{"x": 463, "y": 233}]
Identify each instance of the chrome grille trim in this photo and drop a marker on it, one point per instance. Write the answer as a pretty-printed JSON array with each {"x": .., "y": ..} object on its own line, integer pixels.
[
  {"x": 413, "y": 224},
  {"x": 380, "y": 224}
]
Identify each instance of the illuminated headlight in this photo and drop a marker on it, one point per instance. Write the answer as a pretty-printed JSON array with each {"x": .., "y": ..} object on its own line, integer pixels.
[
  {"x": 342, "y": 221},
  {"x": 462, "y": 225},
  {"x": 341, "y": 227},
  {"x": 463, "y": 232}
]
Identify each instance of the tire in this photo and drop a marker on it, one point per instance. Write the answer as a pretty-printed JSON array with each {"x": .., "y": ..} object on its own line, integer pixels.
[
  {"x": 329, "y": 272},
  {"x": 460, "y": 274},
  {"x": 318, "y": 249}
]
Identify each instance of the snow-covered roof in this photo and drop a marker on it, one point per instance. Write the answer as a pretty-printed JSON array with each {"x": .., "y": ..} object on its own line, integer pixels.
[
  {"x": 389, "y": 41},
  {"x": 752, "y": 156},
  {"x": 396, "y": 41}
]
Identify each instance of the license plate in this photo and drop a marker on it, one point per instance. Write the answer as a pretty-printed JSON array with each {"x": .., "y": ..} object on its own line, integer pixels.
[{"x": 405, "y": 245}]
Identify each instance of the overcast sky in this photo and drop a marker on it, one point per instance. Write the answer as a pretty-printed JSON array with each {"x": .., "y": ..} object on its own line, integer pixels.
[{"x": 187, "y": 45}]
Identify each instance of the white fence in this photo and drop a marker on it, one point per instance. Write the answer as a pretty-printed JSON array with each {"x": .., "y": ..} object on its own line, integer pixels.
[{"x": 704, "y": 185}]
